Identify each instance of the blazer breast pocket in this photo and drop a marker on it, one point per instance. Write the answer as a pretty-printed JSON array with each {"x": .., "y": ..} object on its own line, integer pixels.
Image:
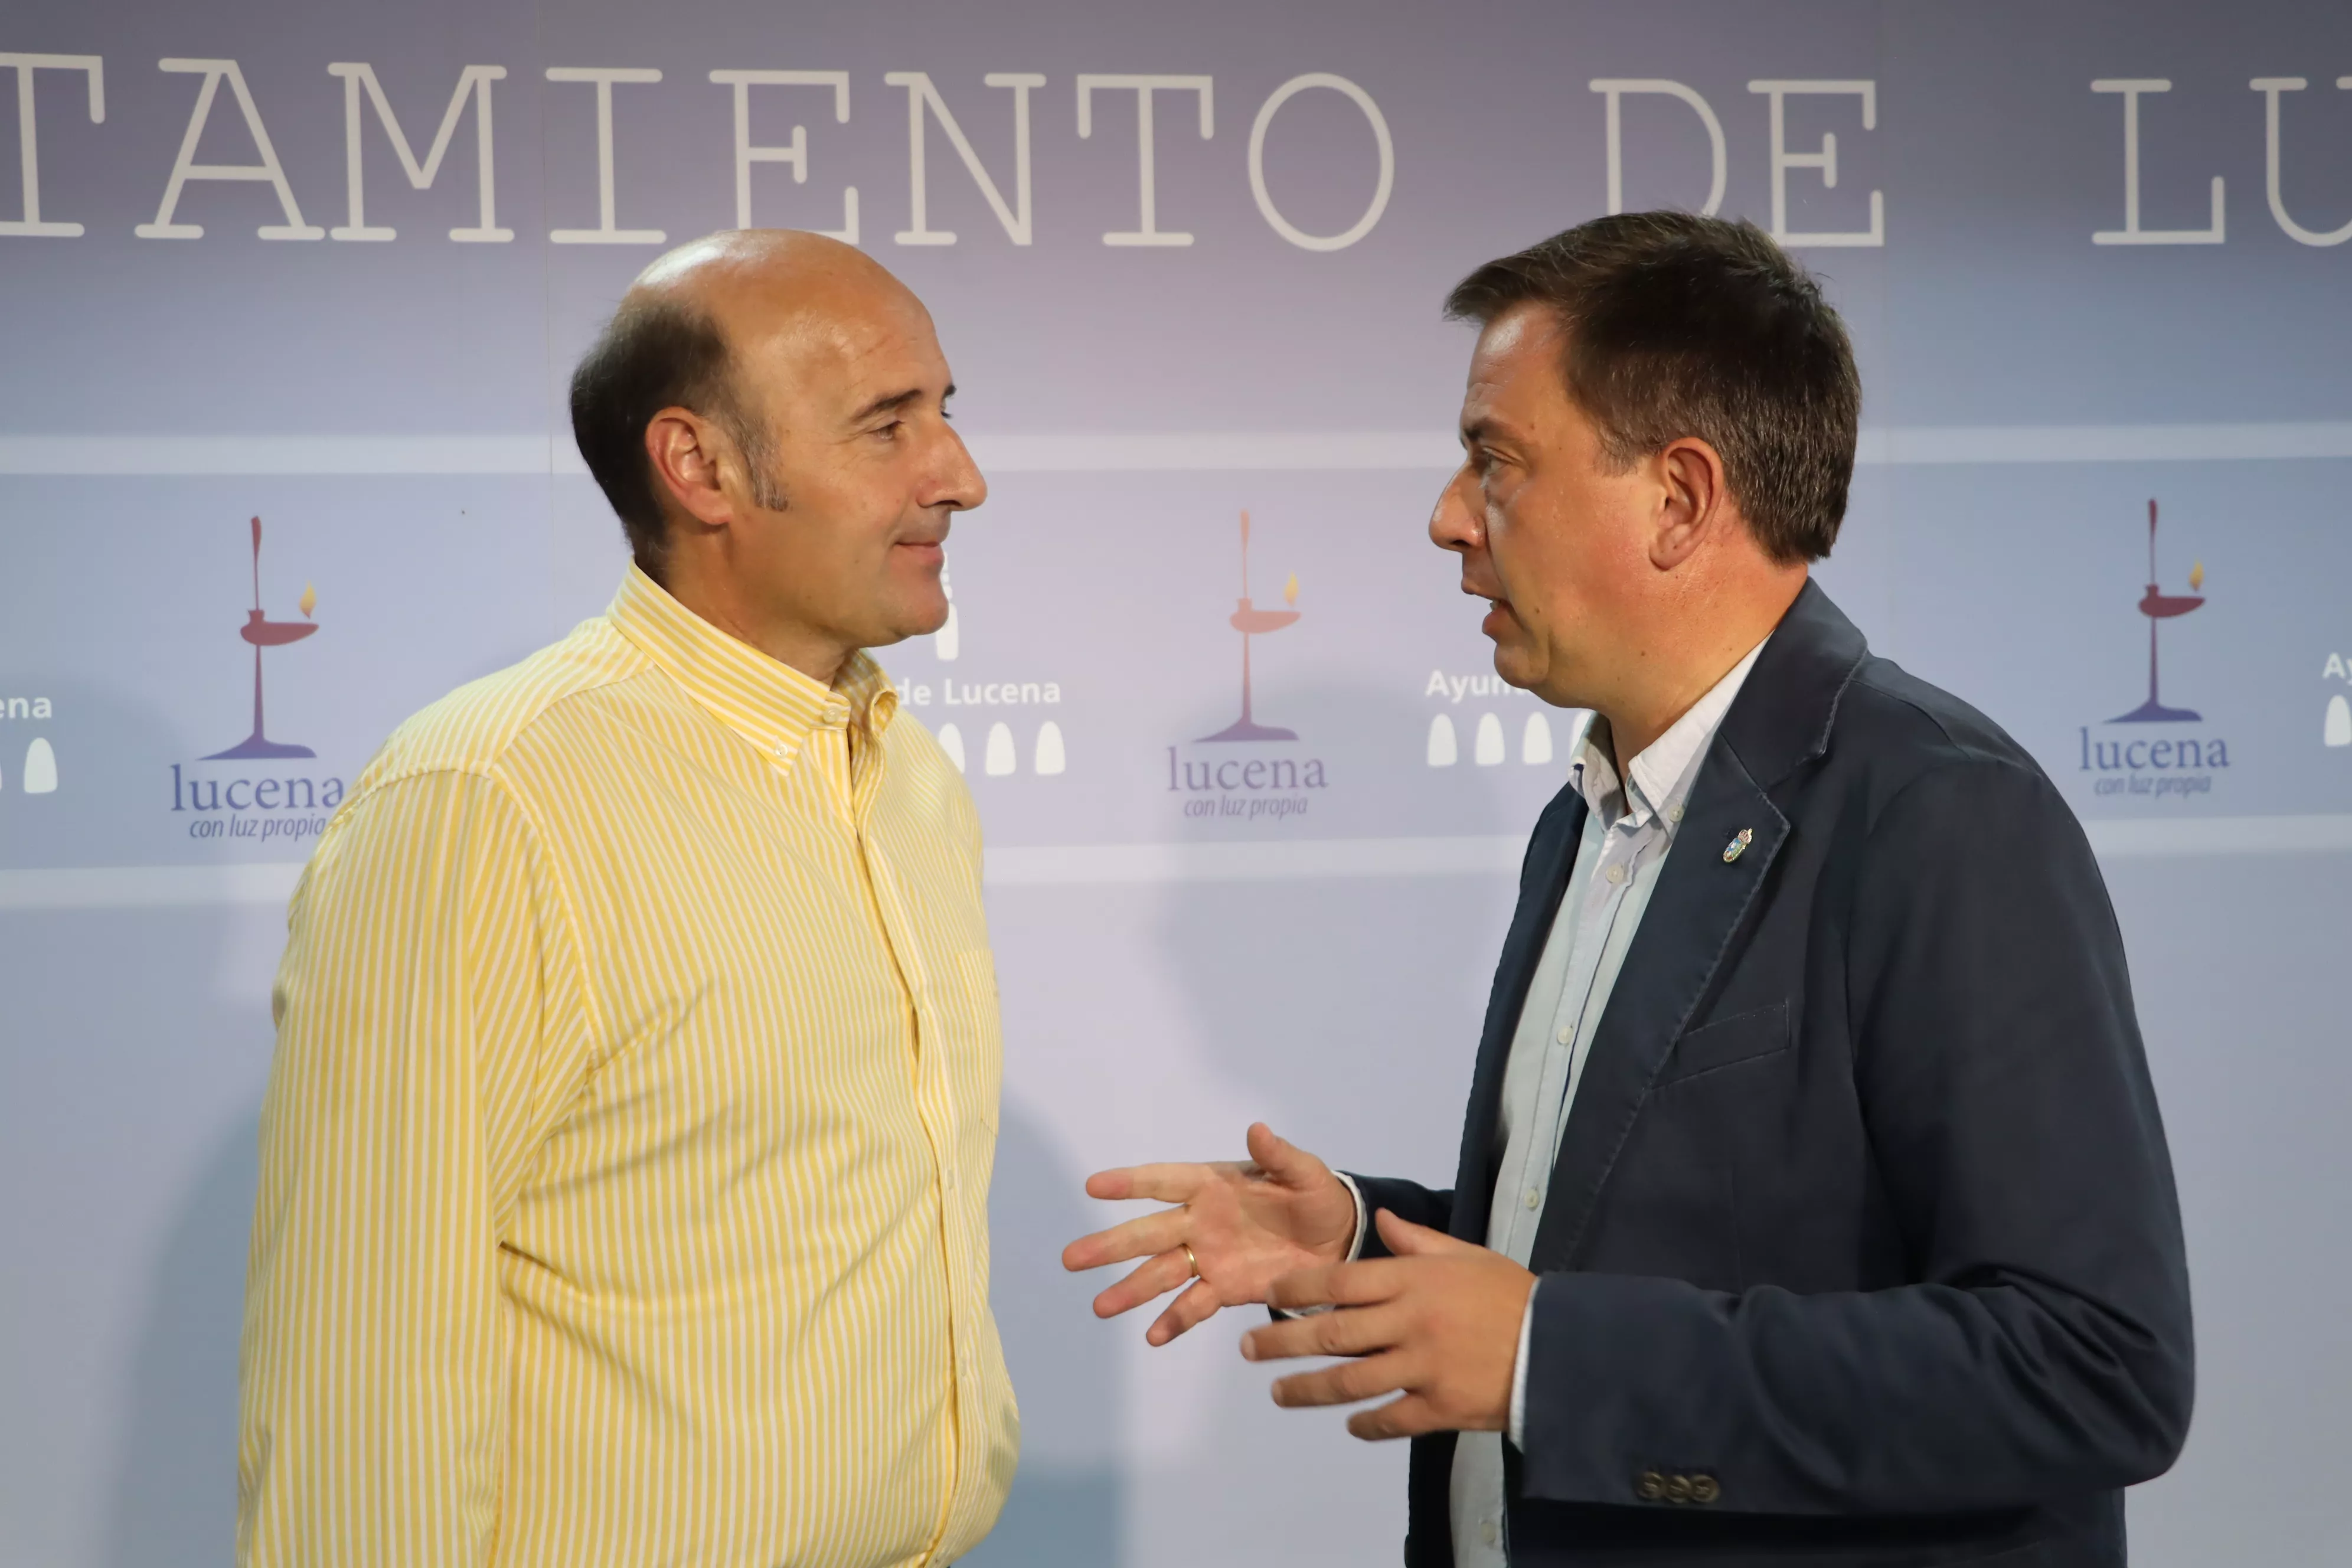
[{"x": 1741, "y": 1038}]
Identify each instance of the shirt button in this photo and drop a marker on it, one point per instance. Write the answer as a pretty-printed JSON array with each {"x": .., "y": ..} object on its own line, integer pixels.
[
  {"x": 835, "y": 714},
  {"x": 1565, "y": 1035},
  {"x": 1533, "y": 1199},
  {"x": 948, "y": 1176},
  {"x": 1615, "y": 873},
  {"x": 1675, "y": 811}
]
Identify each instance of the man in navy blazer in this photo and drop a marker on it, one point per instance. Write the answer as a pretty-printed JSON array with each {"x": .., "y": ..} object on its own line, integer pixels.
[{"x": 1814, "y": 1205}]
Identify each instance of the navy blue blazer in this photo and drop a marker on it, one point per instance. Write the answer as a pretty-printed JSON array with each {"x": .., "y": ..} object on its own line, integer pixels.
[{"x": 1861, "y": 1244}]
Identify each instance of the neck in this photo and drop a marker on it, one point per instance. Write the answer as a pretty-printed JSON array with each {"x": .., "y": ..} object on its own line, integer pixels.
[
  {"x": 1688, "y": 658},
  {"x": 719, "y": 598}
]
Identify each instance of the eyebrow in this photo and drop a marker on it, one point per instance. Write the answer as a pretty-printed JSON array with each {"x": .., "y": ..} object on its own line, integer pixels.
[{"x": 893, "y": 402}]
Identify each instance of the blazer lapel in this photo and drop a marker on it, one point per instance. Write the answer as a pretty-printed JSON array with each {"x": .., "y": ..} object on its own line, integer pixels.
[
  {"x": 1551, "y": 853},
  {"x": 1780, "y": 719},
  {"x": 1686, "y": 932}
]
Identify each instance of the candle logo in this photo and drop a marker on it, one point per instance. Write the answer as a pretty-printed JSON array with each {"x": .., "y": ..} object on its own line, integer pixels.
[
  {"x": 1270, "y": 786},
  {"x": 2160, "y": 606},
  {"x": 262, "y": 632},
  {"x": 2164, "y": 763},
  {"x": 1252, "y": 622}
]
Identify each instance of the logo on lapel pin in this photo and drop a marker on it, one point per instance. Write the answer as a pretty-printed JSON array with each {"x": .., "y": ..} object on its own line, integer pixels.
[{"x": 1731, "y": 850}]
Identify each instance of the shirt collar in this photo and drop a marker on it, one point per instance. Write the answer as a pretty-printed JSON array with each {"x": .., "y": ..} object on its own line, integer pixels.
[
  {"x": 1663, "y": 774},
  {"x": 763, "y": 700}
]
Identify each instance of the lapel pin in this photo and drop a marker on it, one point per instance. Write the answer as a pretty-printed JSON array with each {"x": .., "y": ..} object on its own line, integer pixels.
[{"x": 1731, "y": 850}]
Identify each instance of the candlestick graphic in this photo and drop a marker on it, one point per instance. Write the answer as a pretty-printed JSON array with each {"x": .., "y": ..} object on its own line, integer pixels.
[
  {"x": 1251, "y": 621},
  {"x": 263, "y": 632},
  {"x": 2160, "y": 606}
]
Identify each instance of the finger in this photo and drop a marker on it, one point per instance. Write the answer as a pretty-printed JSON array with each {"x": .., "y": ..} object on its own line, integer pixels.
[
  {"x": 1407, "y": 1239},
  {"x": 1358, "y": 1284},
  {"x": 1144, "y": 1236},
  {"x": 1409, "y": 1416},
  {"x": 1357, "y": 1330},
  {"x": 1191, "y": 1309},
  {"x": 1156, "y": 1277},
  {"x": 1166, "y": 1184},
  {"x": 1279, "y": 1158},
  {"x": 1343, "y": 1383}
]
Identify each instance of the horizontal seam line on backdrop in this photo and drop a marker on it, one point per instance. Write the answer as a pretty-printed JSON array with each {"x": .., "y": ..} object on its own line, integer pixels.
[
  {"x": 272, "y": 883},
  {"x": 134, "y": 456}
]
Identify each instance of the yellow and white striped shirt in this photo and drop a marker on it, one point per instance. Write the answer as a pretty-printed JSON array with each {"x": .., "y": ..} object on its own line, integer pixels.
[{"x": 626, "y": 1157}]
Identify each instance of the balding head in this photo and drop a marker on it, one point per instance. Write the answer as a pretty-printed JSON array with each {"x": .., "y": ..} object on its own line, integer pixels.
[
  {"x": 679, "y": 337},
  {"x": 757, "y": 259},
  {"x": 763, "y": 397}
]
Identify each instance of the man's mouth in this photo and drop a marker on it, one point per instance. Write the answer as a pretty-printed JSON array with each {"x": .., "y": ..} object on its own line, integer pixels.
[{"x": 1498, "y": 611}]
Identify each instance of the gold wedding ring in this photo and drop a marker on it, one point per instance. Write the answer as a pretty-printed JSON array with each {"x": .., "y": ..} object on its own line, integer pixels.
[{"x": 1191, "y": 1259}]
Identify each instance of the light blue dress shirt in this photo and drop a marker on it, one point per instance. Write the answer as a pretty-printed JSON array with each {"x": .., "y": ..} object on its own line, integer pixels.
[{"x": 1629, "y": 830}]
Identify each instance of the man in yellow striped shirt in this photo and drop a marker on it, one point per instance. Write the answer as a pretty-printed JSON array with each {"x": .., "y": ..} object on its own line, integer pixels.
[{"x": 626, "y": 1150}]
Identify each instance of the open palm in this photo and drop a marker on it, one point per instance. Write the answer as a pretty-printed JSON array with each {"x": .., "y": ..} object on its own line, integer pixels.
[{"x": 1244, "y": 1222}]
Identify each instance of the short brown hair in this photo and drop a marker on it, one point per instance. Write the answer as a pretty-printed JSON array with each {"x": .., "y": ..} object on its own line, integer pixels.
[
  {"x": 657, "y": 352},
  {"x": 1681, "y": 325}
]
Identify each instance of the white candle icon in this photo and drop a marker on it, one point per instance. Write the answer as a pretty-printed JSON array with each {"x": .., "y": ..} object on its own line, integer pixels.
[
  {"x": 1442, "y": 752},
  {"x": 1001, "y": 760},
  {"x": 41, "y": 767},
  {"x": 1489, "y": 745}
]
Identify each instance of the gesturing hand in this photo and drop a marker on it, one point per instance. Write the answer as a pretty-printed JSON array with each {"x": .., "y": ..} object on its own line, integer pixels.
[
  {"x": 1438, "y": 1325},
  {"x": 1246, "y": 1225}
]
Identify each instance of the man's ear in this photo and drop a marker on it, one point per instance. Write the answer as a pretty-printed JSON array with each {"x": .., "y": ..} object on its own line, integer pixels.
[
  {"x": 1696, "y": 505},
  {"x": 685, "y": 451}
]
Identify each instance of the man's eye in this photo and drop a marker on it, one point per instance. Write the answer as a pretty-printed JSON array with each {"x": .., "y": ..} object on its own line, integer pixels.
[{"x": 890, "y": 432}]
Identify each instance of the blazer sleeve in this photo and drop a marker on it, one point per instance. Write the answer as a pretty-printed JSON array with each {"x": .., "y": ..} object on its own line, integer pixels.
[
  {"x": 1406, "y": 1200},
  {"x": 2043, "y": 1348}
]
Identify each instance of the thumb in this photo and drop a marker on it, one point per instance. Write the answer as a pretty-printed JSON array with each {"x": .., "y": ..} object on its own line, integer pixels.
[
  {"x": 1406, "y": 1239},
  {"x": 1278, "y": 1158}
]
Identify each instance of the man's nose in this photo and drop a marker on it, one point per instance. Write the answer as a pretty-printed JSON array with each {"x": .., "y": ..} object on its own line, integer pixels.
[
  {"x": 959, "y": 483},
  {"x": 1455, "y": 523}
]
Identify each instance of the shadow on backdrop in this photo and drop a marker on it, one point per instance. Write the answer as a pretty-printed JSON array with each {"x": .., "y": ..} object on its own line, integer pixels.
[
  {"x": 1065, "y": 1508},
  {"x": 177, "y": 1486},
  {"x": 1345, "y": 1009}
]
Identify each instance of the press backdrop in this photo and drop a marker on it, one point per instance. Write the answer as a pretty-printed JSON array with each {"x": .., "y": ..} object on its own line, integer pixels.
[{"x": 328, "y": 264}]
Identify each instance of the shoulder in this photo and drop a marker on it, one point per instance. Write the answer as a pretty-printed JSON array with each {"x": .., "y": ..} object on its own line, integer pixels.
[
  {"x": 1917, "y": 759},
  {"x": 438, "y": 794},
  {"x": 1889, "y": 713},
  {"x": 474, "y": 729},
  {"x": 441, "y": 778}
]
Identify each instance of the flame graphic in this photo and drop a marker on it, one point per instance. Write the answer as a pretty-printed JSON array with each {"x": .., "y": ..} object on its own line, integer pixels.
[
  {"x": 2197, "y": 578},
  {"x": 310, "y": 599},
  {"x": 1290, "y": 590}
]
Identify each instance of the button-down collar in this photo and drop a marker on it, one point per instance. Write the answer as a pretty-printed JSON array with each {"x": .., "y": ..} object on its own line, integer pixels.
[
  {"x": 1663, "y": 774},
  {"x": 763, "y": 700}
]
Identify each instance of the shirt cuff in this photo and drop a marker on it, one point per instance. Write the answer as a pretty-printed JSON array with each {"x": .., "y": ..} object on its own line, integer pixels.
[
  {"x": 1363, "y": 1220},
  {"x": 1518, "y": 1420}
]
